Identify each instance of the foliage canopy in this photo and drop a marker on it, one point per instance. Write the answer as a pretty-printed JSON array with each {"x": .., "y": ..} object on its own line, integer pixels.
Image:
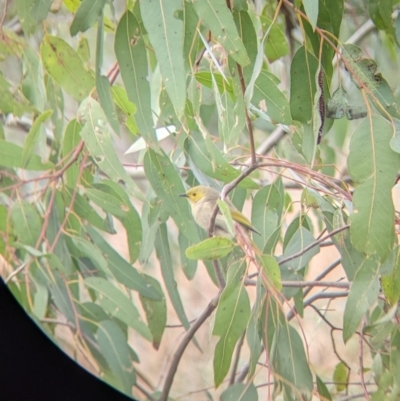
[{"x": 294, "y": 103}]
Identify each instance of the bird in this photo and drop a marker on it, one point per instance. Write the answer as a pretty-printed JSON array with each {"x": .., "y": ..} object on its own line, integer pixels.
[{"x": 202, "y": 200}]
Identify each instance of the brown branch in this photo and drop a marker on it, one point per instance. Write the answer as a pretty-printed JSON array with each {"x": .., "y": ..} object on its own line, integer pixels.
[
  {"x": 312, "y": 245},
  {"x": 248, "y": 119},
  {"x": 361, "y": 361},
  {"x": 320, "y": 295},
  {"x": 302, "y": 284},
  {"x": 182, "y": 346},
  {"x": 324, "y": 273},
  {"x": 236, "y": 359}
]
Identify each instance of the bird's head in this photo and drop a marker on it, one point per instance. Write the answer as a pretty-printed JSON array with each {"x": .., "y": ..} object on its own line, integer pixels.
[{"x": 200, "y": 192}]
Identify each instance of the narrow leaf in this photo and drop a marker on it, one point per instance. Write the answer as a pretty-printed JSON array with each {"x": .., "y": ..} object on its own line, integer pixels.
[
  {"x": 123, "y": 271},
  {"x": 98, "y": 140},
  {"x": 156, "y": 311},
  {"x": 113, "y": 301},
  {"x": 167, "y": 184},
  {"x": 363, "y": 293},
  {"x": 87, "y": 14},
  {"x": 164, "y": 256},
  {"x": 131, "y": 54},
  {"x": 31, "y": 141},
  {"x": 114, "y": 347},
  {"x": 165, "y": 32},
  {"x": 231, "y": 319},
  {"x": 373, "y": 165}
]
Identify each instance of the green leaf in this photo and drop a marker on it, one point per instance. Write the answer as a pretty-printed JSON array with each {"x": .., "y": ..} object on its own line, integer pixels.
[
  {"x": 391, "y": 281},
  {"x": 115, "y": 349},
  {"x": 341, "y": 376},
  {"x": 60, "y": 249},
  {"x": 55, "y": 102},
  {"x": 363, "y": 293},
  {"x": 373, "y": 165},
  {"x": 107, "y": 202},
  {"x": 60, "y": 292},
  {"x": 165, "y": 32},
  {"x": 189, "y": 266},
  {"x": 323, "y": 392},
  {"x": 130, "y": 220},
  {"x": 71, "y": 140},
  {"x": 218, "y": 18},
  {"x": 299, "y": 240},
  {"x": 206, "y": 79},
  {"x": 33, "y": 83},
  {"x": 117, "y": 304},
  {"x": 351, "y": 258},
  {"x": 31, "y": 13},
  {"x": 247, "y": 33},
  {"x": 210, "y": 161},
  {"x": 191, "y": 41},
  {"x": 12, "y": 101},
  {"x": 240, "y": 392},
  {"x": 167, "y": 184},
  {"x": 156, "y": 311},
  {"x": 26, "y": 222},
  {"x": 86, "y": 15},
  {"x": 267, "y": 96},
  {"x": 31, "y": 140},
  {"x": 66, "y": 67},
  {"x": 103, "y": 85},
  {"x": 266, "y": 211},
  {"x": 231, "y": 319},
  {"x": 211, "y": 248},
  {"x": 131, "y": 54},
  {"x": 289, "y": 362},
  {"x": 40, "y": 301},
  {"x": 254, "y": 331},
  {"x": 11, "y": 156},
  {"x": 230, "y": 122},
  {"x": 276, "y": 45},
  {"x": 272, "y": 270},
  {"x": 128, "y": 108},
  {"x": 98, "y": 140},
  {"x": 123, "y": 271},
  {"x": 164, "y": 256},
  {"x": 87, "y": 249},
  {"x": 364, "y": 73},
  {"x": 311, "y": 8},
  {"x": 83, "y": 209}
]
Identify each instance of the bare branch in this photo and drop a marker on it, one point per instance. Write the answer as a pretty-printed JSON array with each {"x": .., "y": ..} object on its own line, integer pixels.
[
  {"x": 315, "y": 243},
  {"x": 320, "y": 295},
  {"x": 182, "y": 346},
  {"x": 236, "y": 359}
]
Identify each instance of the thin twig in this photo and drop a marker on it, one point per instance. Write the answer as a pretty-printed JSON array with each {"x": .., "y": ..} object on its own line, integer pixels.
[
  {"x": 361, "y": 361},
  {"x": 320, "y": 295},
  {"x": 324, "y": 273},
  {"x": 302, "y": 284},
  {"x": 145, "y": 392},
  {"x": 4, "y": 15},
  {"x": 218, "y": 274},
  {"x": 236, "y": 359},
  {"x": 312, "y": 245}
]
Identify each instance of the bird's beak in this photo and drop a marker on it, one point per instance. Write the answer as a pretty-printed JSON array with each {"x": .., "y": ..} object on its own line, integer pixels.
[{"x": 183, "y": 195}]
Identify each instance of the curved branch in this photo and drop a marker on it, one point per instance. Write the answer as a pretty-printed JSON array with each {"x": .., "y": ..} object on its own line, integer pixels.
[{"x": 182, "y": 346}]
